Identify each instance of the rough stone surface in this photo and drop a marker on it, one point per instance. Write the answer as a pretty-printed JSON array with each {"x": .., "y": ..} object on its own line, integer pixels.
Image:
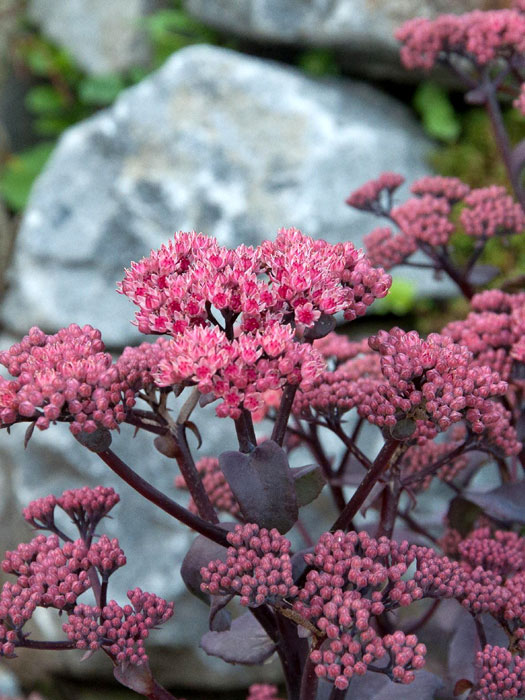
[
  {"x": 215, "y": 141},
  {"x": 102, "y": 36},
  {"x": 362, "y": 30}
]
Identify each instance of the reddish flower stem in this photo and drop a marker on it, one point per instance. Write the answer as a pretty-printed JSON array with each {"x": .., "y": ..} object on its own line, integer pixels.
[
  {"x": 389, "y": 505},
  {"x": 279, "y": 429},
  {"x": 160, "y": 693},
  {"x": 209, "y": 530},
  {"x": 45, "y": 646},
  {"x": 192, "y": 476},
  {"x": 372, "y": 476},
  {"x": 502, "y": 140},
  {"x": 309, "y": 682}
]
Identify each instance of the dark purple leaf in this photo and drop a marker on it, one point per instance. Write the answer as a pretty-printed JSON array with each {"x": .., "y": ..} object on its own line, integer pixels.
[
  {"x": 520, "y": 428},
  {"x": 194, "y": 429},
  {"x": 465, "y": 645},
  {"x": 220, "y": 619},
  {"x": 506, "y": 503},
  {"x": 462, "y": 686},
  {"x": 201, "y": 552},
  {"x": 98, "y": 441},
  {"x": 245, "y": 642},
  {"x": 481, "y": 275},
  {"x": 138, "y": 678},
  {"x": 462, "y": 515},
  {"x": 309, "y": 482},
  {"x": 424, "y": 687},
  {"x": 325, "y": 324},
  {"x": 477, "y": 96},
  {"x": 206, "y": 399},
  {"x": 263, "y": 484}
]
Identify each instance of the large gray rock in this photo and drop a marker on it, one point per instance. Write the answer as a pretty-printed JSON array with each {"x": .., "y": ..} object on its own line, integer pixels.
[
  {"x": 102, "y": 36},
  {"x": 215, "y": 141},
  {"x": 360, "y": 30}
]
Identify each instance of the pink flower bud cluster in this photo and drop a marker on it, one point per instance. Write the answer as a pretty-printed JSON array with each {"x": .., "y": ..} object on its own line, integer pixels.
[
  {"x": 493, "y": 331},
  {"x": 292, "y": 278},
  {"x": 47, "y": 576},
  {"x": 337, "y": 348},
  {"x": 342, "y": 389},
  {"x": 238, "y": 371},
  {"x": 502, "y": 552},
  {"x": 85, "y": 506},
  {"x": 65, "y": 376},
  {"x": 434, "y": 381},
  {"x": 354, "y": 578},
  {"x": 491, "y": 211},
  {"x": 215, "y": 485},
  {"x": 450, "y": 188},
  {"x": 388, "y": 249},
  {"x": 478, "y": 36},
  {"x": 425, "y": 219},
  {"x": 263, "y": 691},
  {"x": 258, "y": 567},
  {"x": 501, "y": 675},
  {"x": 368, "y": 197},
  {"x": 137, "y": 365},
  {"x": 119, "y": 630}
]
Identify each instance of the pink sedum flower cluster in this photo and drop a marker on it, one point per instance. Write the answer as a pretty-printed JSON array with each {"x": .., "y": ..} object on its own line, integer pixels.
[
  {"x": 238, "y": 371},
  {"x": 65, "y": 376},
  {"x": 479, "y": 36},
  {"x": 292, "y": 278},
  {"x": 493, "y": 331},
  {"x": 501, "y": 674},
  {"x": 258, "y": 567},
  {"x": 263, "y": 691},
  {"x": 435, "y": 383},
  {"x": 119, "y": 630},
  {"x": 491, "y": 211}
]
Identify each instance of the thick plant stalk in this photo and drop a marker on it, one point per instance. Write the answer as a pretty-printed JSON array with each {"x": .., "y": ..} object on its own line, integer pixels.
[
  {"x": 209, "y": 530},
  {"x": 372, "y": 477}
]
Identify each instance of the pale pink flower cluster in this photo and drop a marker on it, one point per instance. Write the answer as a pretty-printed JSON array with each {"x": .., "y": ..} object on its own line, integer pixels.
[
  {"x": 494, "y": 331},
  {"x": 502, "y": 552},
  {"x": 119, "y": 630},
  {"x": 501, "y": 675},
  {"x": 215, "y": 485},
  {"x": 434, "y": 381},
  {"x": 338, "y": 348},
  {"x": 491, "y": 211},
  {"x": 65, "y": 376},
  {"x": 238, "y": 371},
  {"x": 293, "y": 278},
  {"x": 479, "y": 36}
]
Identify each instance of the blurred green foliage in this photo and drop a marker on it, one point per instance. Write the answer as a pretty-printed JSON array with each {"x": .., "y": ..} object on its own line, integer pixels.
[
  {"x": 319, "y": 62},
  {"x": 399, "y": 301},
  {"x": 437, "y": 113},
  {"x": 64, "y": 94}
]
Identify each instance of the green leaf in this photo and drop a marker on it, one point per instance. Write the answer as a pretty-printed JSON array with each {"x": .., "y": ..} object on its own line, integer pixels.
[
  {"x": 318, "y": 62},
  {"x": 20, "y": 172},
  {"x": 52, "y": 126},
  {"x": 44, "y": 99},
  {"x": 100, "y": 89},
  {"x": 400, "y": 300},
  {"x": 437, "y": 113}
]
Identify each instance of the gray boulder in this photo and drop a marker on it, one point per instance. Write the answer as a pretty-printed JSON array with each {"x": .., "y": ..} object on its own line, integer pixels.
[
  {"x": 103, "y": 37},
  {"x": 361, "y": 31},
  {"x": 233, "y": 146}
]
